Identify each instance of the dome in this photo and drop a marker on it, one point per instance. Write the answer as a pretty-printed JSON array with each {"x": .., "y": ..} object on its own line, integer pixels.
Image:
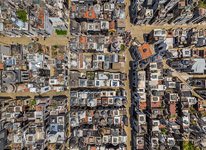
[
  {"x": 8, "y": 77},
  {"x": 20, "y": 23},
  {"x": 118, "y": 101},
  {"x": 82, "y": 142},
  {"x": 74, "y": 63},
  {"x": 97, "y": 9}
]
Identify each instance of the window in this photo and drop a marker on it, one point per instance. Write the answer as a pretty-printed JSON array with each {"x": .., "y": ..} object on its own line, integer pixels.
[
  {"x": 155, "y": 123},
  {"x": 154, "y": 141},
  {"x": 154, "y": 76},
  {"x": 153, "y": 66},
  {"x": 155, "y": 99},
  {"x": 142, "y": 118},
  {"x": 187, "y": 52},
  {"x": 155, "y": 112},
  {"x": 116, "y": 76},
  {"x": 141, "y": 90}
]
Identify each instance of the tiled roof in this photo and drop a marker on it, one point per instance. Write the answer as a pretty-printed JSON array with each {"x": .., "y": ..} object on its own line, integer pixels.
[
  {"x": 112, "y": 25},
  {"x": 173, "y": 108},
  {"x": 83, "y": 39},
  {"x": 1, "y": 66},
  {"x": 145, "y": 51},
  {"x": 156, "y": 104},
  {"x": 41, "y": 18},
  {"x": 142, "y": 105},
  {"x": 90, "y": 14}
]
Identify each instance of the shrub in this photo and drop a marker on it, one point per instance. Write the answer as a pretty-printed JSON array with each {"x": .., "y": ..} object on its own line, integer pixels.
[
  {"x": 202, "y": 4},
  {"x": 122, "y": 47},
  {"x": 61, "y": 32}
]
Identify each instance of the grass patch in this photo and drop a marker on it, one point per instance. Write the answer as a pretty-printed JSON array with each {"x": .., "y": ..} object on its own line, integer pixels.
[
  {"x": 61, "y": 32},
  {"x": 164, "y": 131},
  {"x": 122, "y": 47},
  {"x": 187, "y": 145},
  {"x": 54, "y": 53},
  {"x": 55, "y": 46},
  {"x": 172, "y": 116},
  {"x": 90, "y": 75},
  {"x": 33, "y": 102},
  {"x": 54, "y": 105},
  {"x": 22, "y": 15},
  {"x": 192, "y": 110},
  {"x": 202, "y": 4},
  {"x": 40, "y": 51}
]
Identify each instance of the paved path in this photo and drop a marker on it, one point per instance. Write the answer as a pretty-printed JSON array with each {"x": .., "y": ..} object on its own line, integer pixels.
[
  {"x": 52, "y": 40},
  {"x": 32, "y": 95},
  {"x": 138, "y": 31},
  {"x": 127, "y": 83},
  {"x": 128, "y": 106},
  {"x": 182, "y": 78}
]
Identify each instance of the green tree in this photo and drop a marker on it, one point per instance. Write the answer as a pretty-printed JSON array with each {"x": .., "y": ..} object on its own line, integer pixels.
[{"x": 22, "y": 15}]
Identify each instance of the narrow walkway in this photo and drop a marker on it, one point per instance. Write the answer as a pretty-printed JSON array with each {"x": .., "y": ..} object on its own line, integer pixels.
[
  {"x": 128, "y": 129},
  {"x": 128, "y": 106}
]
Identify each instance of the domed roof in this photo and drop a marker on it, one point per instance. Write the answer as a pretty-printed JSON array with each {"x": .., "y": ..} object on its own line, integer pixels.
[
  {"x": 9, "y": 76},
  {"x": 73, "y": 142},
  {"x": 9, "y": 88},
  {"x": 82, "y": 142}
]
